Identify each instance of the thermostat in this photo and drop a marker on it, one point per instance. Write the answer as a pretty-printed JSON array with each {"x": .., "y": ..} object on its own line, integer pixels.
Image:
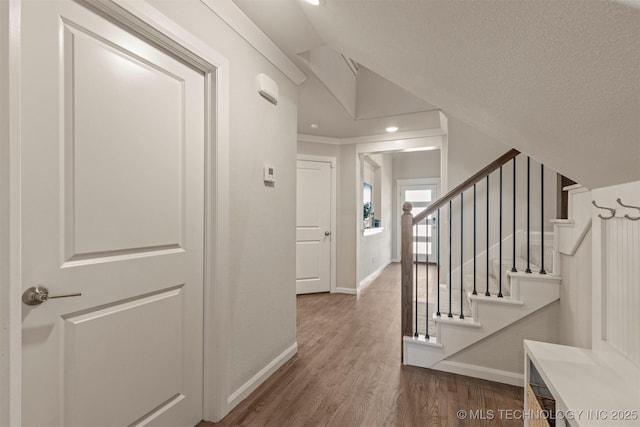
[{"x": 269, "y": 175}]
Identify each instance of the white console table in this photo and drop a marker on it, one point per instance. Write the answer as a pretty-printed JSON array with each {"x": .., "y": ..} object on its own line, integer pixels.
[{"x": 589, "y": 389}]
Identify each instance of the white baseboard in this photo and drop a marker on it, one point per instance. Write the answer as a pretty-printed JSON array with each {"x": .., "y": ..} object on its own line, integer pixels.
[
  {"x": 247, "y": 388},
  {"x": 396, "y": 260},
  {"x": 371, "y": 277},
  {"x": 490, "y": 374},
  {"x": 350, "y": 291}
]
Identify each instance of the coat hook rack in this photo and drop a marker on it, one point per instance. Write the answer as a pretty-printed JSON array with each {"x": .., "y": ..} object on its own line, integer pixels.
[
  {"x": 632, "y": 218},
  {"x": 613, "y": 211}
]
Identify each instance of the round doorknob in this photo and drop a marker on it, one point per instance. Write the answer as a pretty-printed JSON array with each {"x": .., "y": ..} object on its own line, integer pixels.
[
  {"x": 36, "y": 295},
  {"x": 327, "y": 233}
]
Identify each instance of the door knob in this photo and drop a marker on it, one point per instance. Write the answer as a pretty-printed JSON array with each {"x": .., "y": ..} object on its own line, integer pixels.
[
  {"x": 327, "y": 233},
  {"x": 36, "y": 295}
]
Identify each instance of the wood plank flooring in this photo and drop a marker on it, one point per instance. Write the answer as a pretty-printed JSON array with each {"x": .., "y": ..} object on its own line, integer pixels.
[{"x": 348, "y": 373}]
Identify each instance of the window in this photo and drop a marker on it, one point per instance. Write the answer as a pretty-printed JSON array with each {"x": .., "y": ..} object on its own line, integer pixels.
[
  {"x": 371, "y": 200},
  {"x": 367, "y": 205}
]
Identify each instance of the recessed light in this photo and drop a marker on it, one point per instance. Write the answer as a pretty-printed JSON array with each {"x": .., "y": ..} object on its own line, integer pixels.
[
  {"x": 314, "y": 2},
  {"x": 314, "y": 126},
  {"x": 392, "y": 129}
]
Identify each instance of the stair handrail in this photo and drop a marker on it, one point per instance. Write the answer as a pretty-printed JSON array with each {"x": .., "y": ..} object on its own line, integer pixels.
[
  {"x": 406, "y": 247},
  {"x": 468, "y": 183}
]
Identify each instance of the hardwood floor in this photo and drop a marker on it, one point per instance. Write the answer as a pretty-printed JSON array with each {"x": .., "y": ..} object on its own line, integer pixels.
[{"x": 348, "y": 373}]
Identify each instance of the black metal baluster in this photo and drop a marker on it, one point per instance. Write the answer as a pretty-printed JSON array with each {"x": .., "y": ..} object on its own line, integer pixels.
[
  {"x": 542, "y": 220},
  {"x": 487, "y": 293},
  {"x": 474, "y": 241},
  {"x": 500, "y": 240},
  {"x": 415, "y": 245},
  {"x": 438, "y": 274},
  {"x": 528, "y": 270},
  {"x": 426, "y": 298},
  {"x": 513, "y": 238},
  {"x": 461, "y": 253},
  {"x": 450, "y": 243}
]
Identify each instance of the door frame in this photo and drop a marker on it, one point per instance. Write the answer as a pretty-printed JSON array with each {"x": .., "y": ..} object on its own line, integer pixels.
[
  {"x": 333, "y": 211},
  {"x": 398, "y": 208},
  {"x": 148, "y": 23}
]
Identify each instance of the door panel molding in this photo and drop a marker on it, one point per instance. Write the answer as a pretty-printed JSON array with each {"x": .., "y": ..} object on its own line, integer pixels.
[
  {"x": 333, "y": 212},
  {"x": 149, "y": 24}
]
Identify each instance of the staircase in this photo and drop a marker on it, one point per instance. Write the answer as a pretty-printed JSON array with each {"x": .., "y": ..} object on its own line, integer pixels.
[{"x": 485, "y": 291}]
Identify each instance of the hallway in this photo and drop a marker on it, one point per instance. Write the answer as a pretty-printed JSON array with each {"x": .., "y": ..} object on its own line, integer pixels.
[{"x": 348, "y": 372}]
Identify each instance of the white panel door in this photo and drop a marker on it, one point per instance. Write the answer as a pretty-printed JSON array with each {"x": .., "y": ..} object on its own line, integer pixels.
[
  {"x": 313, "y": 227},
  {"x": 425, "y": 235},
  {"x": 112, "y": 208}
]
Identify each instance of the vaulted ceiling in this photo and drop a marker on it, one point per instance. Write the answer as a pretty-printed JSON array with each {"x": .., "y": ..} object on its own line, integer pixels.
[{"x": 557, "y": 79}]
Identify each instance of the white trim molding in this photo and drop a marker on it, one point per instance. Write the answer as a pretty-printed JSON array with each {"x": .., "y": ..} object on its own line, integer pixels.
[
  {"x": 245, "y": 28},
  {"x": 476, "y": 371},
  {"x": 366, "y": 232},
  {"x": 318, "y": 139},
  {"x": 13, "y": 289},
  {"x": 348, "y": 291},
  {"x": 249, "y": 387},
  {"x": 371, "y": 277},
  {"x": 426, "y": 139},
  {"x": 424, "y": 134},
  {"x": 371, "y": 146},
  {"x": 313, "y": 158}
]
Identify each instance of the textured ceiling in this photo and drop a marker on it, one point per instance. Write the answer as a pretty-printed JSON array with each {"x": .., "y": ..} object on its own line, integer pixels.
[{"x": 557, "y": 79}]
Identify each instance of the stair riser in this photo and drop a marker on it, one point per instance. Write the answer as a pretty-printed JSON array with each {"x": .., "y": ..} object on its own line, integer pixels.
[
  {"x": 535, "y": 293},
  {"x": 494, "y": 252}
]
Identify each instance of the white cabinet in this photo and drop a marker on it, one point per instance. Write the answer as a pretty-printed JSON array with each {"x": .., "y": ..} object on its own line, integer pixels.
[{"x": 590, "y": 389}]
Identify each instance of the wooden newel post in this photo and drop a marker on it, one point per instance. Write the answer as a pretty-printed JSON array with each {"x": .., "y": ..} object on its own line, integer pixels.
[{"x": 406, "y": 299}]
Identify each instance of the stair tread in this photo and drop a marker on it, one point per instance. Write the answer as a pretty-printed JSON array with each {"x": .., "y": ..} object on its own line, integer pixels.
[
  {"x": 455, "y": 300},
  {"x": 495, "y": 299},
  {"x": 456, "y": 320},
  {"x": 507, "y": 265},
  {"x": 431, "y": 342},
  {"x": 481, "y": 285},
  {"x": 536, "y": 275}
]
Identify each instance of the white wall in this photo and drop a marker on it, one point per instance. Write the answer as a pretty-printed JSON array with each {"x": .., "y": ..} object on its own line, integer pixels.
[
  {"x": 4, "y": 215},
  {"x": 414, "y": 165},
  {"x": 575, "y": 296},
  {"x": 375, "y": 250},
  {"x": 469, "y": 150},
  {"x": 503, "y": 350},
  {"x": 334, "y": 73},
  {"x": 262, "y": 256},
  {"x": 319, "y": 149},
  {"x": 378, "y": 97},
  {"x": 347, "y": 218},
  {"x": 417, "y": 165}
]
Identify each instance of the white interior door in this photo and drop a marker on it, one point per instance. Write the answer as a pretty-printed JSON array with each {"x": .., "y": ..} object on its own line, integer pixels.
[
  {"x": 112, "y": 208},
  {"x": 425, "y": 237},
  {"x": 313, "y": 227}
]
